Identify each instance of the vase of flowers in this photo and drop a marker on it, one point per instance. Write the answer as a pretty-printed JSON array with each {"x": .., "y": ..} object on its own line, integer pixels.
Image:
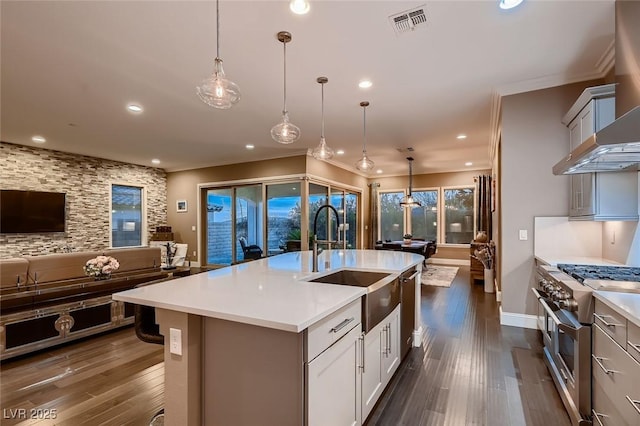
[
  {"x": 406, "y": 239},
  {"x": 486, "y": 256},
  {"x": 101, "y": 267}
]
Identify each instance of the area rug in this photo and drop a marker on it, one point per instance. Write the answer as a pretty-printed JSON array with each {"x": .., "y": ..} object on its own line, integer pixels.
[{"x": 439, "y": 276}]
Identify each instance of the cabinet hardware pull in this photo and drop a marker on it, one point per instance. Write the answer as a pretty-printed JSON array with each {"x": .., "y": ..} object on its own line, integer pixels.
[
  {"x": 597, "y": 416},
  {"x": 634, "y": 346},
  {"x": 415, "y": 274},
  {"x": 608, "y": 324},
  {"x": 633, "y": 402},
  {"x": 389, "y": 340},
  {"x": 598, "y": 360},
  {"x": 362, "y": 340},
  {"x": 342, "y": 325}
]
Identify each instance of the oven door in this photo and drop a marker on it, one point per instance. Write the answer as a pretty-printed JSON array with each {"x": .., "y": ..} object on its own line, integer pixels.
[
  {"x": 567, "y": 353},
  {"x": 547, "y": 320}
]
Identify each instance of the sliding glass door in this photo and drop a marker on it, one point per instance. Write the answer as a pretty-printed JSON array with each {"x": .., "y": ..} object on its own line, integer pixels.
[
  {"x": 234, "y": 217},
  {"x": 284, "y": 211}
]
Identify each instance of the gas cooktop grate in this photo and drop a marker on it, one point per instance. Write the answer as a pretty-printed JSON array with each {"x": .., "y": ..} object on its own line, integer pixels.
[{"x": 601, "y": 272}]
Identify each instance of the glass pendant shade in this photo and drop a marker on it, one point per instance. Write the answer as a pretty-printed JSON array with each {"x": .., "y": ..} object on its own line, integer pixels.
[
  {"x": 217, "y": 90},
  {"x": 285, "y": 132},
  {"x": 364, "y": 164},
  {"x": 322, "y": 151}
]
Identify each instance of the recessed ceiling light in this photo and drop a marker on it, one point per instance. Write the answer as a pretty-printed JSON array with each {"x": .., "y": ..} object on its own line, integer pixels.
[
  {"x": 379, "y": 171},
  {"x": 340, "y": 152},
  {"x": 299, "y": 7},
  {"x": 461, "y": 136},
  {"x": 249, "y": 146},
  {"x": 509, "y": 4},
  {"x": 468, "y": 163},
  {"x": 365, "y": 84},
  {"x": 155, "y": 161},
  {"x": 134, "y": 108},
  {"x": 38, "y": 139}
]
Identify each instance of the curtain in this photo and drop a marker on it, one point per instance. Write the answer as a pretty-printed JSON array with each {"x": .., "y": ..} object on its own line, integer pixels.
[
  {"x": 483, "y": 204},
  {"x": 373, "y": 203}
]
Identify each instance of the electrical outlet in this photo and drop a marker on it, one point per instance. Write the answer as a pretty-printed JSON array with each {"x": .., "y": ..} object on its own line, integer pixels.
[
  {"x": 195, "y": 254},
  {"x": 175, "y": 341},
  {"x": 522, "y": 234}
]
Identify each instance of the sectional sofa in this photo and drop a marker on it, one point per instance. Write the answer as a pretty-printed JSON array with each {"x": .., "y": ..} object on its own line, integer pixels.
[{"x": 47, "y": 300}]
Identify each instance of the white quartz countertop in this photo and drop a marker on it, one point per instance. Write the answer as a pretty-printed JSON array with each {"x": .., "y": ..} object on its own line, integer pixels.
[
  {"x": 626, "y": 304},
  {"x": 576, "y": 260},
  {"x": 270, "y": 292}
]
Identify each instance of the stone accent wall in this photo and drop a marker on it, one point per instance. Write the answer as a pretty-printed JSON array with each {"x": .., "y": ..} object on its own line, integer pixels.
[{"x": 86, "y": 182}]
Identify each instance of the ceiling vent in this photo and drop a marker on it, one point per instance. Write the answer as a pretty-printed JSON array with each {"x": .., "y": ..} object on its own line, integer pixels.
[
  {"x": 405, "y": 150},
  {"x": 409, "y": 20}
]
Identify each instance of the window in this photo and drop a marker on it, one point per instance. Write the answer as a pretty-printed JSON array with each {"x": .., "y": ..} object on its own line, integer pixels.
[
  {"x": 458, "y": 215},
  {"x": 283, "y": 217},
  {"x": 127, "y": 216},
  {"x": 424, "y": 219},
  {"x": 445, "y": 215},
  {"x": 391, "y": 216}
]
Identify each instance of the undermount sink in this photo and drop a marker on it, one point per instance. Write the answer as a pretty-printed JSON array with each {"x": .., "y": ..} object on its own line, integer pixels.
[
  {"x": 383, "y": 292},
  {"x": 351, "y": 277}
]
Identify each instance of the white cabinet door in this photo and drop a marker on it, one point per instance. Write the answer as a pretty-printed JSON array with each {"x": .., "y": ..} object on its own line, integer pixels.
[
  {"x": 372, "y": 385},
  {"x": 391, "y": 355},
  {"x": 333, "y": 395}
]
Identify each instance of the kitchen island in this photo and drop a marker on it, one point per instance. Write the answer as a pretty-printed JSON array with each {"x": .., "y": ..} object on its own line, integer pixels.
[{"x": 239, "y": 341}]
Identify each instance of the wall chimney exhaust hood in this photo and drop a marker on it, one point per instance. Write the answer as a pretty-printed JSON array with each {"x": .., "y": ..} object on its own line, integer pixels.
[{"x": 617, "y": 146}]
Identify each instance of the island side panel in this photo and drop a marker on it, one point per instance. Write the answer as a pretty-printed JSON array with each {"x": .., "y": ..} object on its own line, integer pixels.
[
  {"x": 182, "y": 373},
  {"x": 252, "y": 375}
]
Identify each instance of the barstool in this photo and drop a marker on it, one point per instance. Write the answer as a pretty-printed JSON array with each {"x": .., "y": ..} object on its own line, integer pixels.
[{"x": 148, "y": 331}]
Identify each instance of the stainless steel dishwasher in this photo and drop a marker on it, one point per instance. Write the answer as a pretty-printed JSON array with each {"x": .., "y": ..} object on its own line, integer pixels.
[{"x": 407, "y": 309}]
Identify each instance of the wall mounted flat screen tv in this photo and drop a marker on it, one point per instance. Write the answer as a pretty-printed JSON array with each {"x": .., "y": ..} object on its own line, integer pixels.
[{"x": 31, "y": 212}]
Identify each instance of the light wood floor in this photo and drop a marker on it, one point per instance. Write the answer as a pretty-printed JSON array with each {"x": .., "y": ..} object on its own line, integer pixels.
[{"x": 470, "y": 371}]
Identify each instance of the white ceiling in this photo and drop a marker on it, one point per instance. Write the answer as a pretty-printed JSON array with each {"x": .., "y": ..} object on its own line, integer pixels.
[{"x": 69, "y": 68}]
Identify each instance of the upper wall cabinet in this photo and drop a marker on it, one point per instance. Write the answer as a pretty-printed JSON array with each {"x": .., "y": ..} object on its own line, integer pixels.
[{"x": 598, "y": 196}]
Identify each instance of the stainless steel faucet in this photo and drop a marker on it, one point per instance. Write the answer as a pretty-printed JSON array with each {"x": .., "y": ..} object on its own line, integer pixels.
[{"x": 315, "y": 234}]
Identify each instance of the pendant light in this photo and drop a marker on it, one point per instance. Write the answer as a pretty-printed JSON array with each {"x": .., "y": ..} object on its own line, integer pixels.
[
  {"x": 218, "y": 91},
  {"x": 285, "y": 132},
  {"x": 364, "y": 164},
  {"x": 409, "y": 201},
  {"x": 322, "y": 151}
]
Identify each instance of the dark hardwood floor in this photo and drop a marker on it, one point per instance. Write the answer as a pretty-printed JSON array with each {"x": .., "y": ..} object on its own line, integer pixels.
[{"x": 469, "y": 371}]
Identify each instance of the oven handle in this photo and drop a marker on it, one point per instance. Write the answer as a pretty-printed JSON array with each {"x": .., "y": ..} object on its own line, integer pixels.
[{"x": 547, "y": 309}]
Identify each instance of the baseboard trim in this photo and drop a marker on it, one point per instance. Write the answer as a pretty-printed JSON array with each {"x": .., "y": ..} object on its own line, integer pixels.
[
  {"x": 518, "y": 320},
  {"x": 443, "y": 261}
]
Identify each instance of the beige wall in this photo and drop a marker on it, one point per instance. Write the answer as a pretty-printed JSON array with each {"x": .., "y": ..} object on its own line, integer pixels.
[
  {"x": 532, "y": 140},
  {"x": 183, "y": 185}
]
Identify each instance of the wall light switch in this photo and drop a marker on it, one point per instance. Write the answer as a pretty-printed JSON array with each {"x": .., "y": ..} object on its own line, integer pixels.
[
  {"x": 175, "y": 341},
  {"x": 193, "y": 228},
  {"x": 522, "y": 234}
]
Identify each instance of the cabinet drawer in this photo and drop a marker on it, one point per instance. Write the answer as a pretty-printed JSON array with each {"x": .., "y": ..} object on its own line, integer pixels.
[
  {"x": 604, "y": 411},
  {"x": 614, "y": 324},
  {"x": 633, "y": 340},
  {"x": 328, "y": 330},
  {"x": 616, "y": 372}
]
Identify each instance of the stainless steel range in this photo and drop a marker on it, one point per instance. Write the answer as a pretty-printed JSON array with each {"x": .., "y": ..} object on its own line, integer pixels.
[{"x": 565, "y": 316}]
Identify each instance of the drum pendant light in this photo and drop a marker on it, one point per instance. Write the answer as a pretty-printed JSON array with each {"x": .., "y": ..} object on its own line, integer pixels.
[
  {"x": 285, "y": 132},
  {"x": 322, "y": 151},
  {"x": 409, "y": 201},
  {"x": 364, "y": 164},
  {"x": 218, "y": 91}
]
